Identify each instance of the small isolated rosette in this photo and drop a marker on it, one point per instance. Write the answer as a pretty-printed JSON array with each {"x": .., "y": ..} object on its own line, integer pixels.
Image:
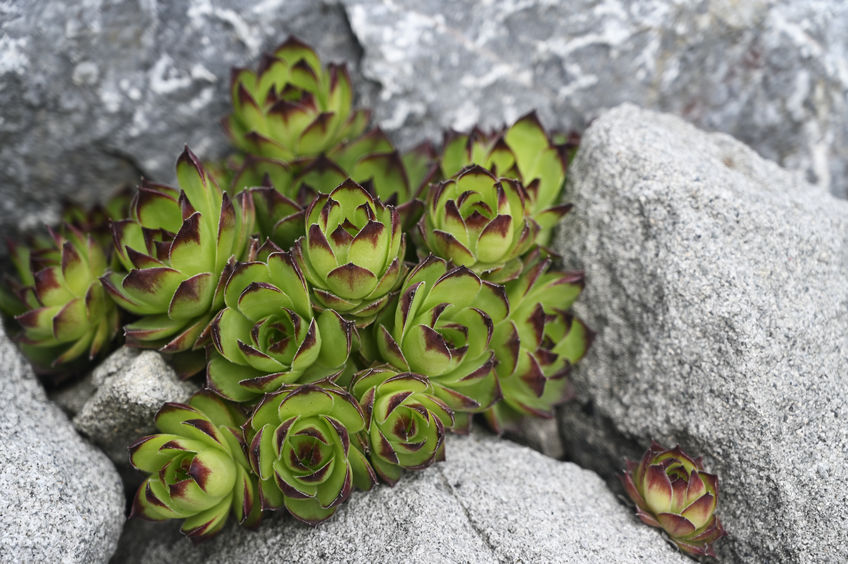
[
  {"x": 353, "y": 251},
  {"x": 267, "y": 335},
  {"x": 58, "y": 300},
  {"x": 524, "y": 152},
  {"x": 477, "y": 220},
  {"x": 537, "y": 343},
  {"x": 177, "y": 249},
  {"x": 672, "y": 492},
  {"x": 441, "y": 328},
  {"x": 292, "y": 106},
  {"x": 307, "y": 451},
  {"x": 404, "y": 421},
  {"x": 198, "y": 468}
]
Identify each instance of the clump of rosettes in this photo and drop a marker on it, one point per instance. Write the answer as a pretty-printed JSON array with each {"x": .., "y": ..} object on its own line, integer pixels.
[{"x": 674, "y": 493}]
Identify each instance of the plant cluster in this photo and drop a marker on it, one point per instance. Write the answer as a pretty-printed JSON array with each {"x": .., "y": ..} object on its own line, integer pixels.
[{"x": 349, "y": 304}]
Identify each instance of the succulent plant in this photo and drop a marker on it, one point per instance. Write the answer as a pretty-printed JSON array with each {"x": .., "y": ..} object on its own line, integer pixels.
[
  {"x": 674, "y": 493},
  {"x": 292, "y": 106},
  {"x": 353, "y": 252},
  {"x": 537, "y": 343},
  {"x": 198, "y": 468},
  {"x": 477, "y": 220},
  {"x": 525, "y": 152},
  {"x": 267, "y": 335},
  {"x": 441, "y": 328},
  {"x": 95, "y": 220},
  {"x": 404, "y": 421},
  {"x": 176, "y": 248},
  {"x": 58, "y": 300},
  {"x": 307, "y": 450},
  {"x": 371, "y": 160}
]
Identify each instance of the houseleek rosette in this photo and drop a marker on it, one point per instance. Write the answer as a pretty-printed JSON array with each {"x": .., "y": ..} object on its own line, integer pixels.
[
  {"x": 267, "y": 335},
  {"x": 198, "y": 468},
  {"x": 404, "y": 421},
  {"x": 177, "y": 248},
  {"x": 537, "y": 343},
  {"x": 352, "y": 254},
  {"x": 524, "y": 152},
  {"x": 307, "y": 451},
  {"x": 58, "y": 300},
  {"x": 441, "y": 328},
  {"x": 477, "y": 220},
  {"x": 672, "y": 492},
  {"x": 292, "y": 106}
]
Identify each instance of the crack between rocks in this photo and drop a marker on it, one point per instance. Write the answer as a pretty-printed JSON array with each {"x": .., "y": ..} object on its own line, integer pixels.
[{"x": 481, "y": 534}]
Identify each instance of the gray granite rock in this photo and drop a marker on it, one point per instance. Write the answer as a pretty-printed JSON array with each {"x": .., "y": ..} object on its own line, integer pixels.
[
  {"x": 131, "y": 388},
  {"x": 773, "y": 74},
  {"x": 61, "y": 499},
  {"x": 718, "y": 286},
  {"x": 492, "y": 501},
  {"x": 93, "y": 93}
]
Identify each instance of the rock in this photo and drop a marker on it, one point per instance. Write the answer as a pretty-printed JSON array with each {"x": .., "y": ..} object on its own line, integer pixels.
[
  {"x": 718, "y": 286},
  {"x": 131, "y": 388},
  {"x": 771, "y": 73},
  {"x": 492, "y": 501},
  {"x": 61, "y": 499},
  {"x": 94, "y": 95},
  {"x": 539, "y": 434}
]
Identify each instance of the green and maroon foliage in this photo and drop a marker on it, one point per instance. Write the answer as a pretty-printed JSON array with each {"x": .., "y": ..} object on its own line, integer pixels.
[
  {"x": 198, "y": 468},
  {"x": 95, "y": 220},
  {"x": 267, "y": 335},
  {"x": 292, "y": 106},
  {"x": 537, "y": 343},
  {"x": 524, "y": 152},
  {"x": 672, "y": 492},
  {"x": 62, "y": 309},
  {"x": 404, "y": 421},
  {"x": 371, "y": 160},
  {"x": 477, "y": 220},
  {"x": 441, "y": 328},
  {"x": 307, "y": 450},
  {"x": 177, "y": 247},
  {"x": 353, "y": 251}
]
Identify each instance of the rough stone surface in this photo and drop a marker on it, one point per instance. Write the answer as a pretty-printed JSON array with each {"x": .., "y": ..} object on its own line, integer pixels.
[
  {"x": 130, "y": 390},
  {"x": 718, "y": 286},
  {"x": 492, "y": 501},
  {"x": 773, "y": 74},
  {"x": 92, "y": 93},
  {"x": 61, "y": 499}
]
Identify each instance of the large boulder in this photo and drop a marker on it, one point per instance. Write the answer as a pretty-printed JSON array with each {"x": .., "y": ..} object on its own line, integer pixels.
[
  {"x": 61, "y": 500},
  {"x": 492, "y": 501},
  {"x": 717, "y": 283}
]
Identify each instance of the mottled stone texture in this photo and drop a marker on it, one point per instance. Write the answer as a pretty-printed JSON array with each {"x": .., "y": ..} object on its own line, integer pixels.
[
  {"x": 492, "y": 501},
  {"x": 773, "y": 74},
  {"x": 61, "y": 499},
  {"x": 718, "y": 286}
]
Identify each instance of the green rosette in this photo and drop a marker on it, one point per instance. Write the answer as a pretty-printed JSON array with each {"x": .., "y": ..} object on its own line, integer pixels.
[
  {"x": 198, "y": 468},
  {"x": 307, "y": 450}
]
